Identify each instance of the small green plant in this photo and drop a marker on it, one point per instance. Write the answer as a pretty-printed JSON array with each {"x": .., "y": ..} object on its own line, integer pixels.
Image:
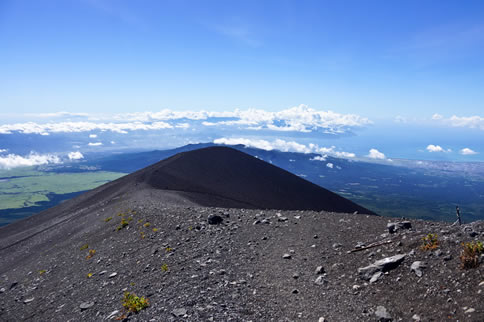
[
  {"x": 168, "y": 249},
  {"x": 124, "y": 222},
  {"x": 89, "y": 275},
  {"x": 108, "y": 219},
  {"x": 430, "y": 242},
  {"x": 164, "y": 267},
  {"x": 140, "y": 221},
  {"x": 42, "y": 271},
  {"x": 142, "y": 235},
  {"x": 155, "y": 230},
  {"x": 146, "y": 225},
  {"x": 92, "y": 252},
  {"x": 85, "y": 246},
  {"x": 469, "y": 256},
  {"x": 133, "y": 303}
]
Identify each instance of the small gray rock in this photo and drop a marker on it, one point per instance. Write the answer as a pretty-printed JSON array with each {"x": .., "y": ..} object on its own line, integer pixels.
[
  {"x": 320, "y": 280},
  {"x": 28, "y": 300},
  {"x": 375, "y": 277},
  {"x": 113, "y": 275},
  {"x": 214, "y": 219},
  {"x": 319, "y": 270},
  {"x": 417, "y": 267},
  {"x": 179, "y": 312},
  {"x": 382, "y": 265},
  {"x": 286, "y": 256},
  {"x": 86, "y": 305},
  {"x": 382, "y": 314}
]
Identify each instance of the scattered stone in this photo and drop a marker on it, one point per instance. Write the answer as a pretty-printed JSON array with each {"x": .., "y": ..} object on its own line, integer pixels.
[
  {"x": 13, "y": 284},
  {"x": 481, "y": 283},
  {"x": 336, "y": 245},
  {"x": 382, "y": 265},
  {"x": 321, "y": 319},
  {"x": 214, "y": 219},
  {"x": 319, "y": 270},
  {"x": 295, "y": 276},
  {"x": 438, "y": 253},
  {"x": 287, "y": 256},
  {"x": 86, "y": 305},
  {"x": 416, "y": 317},
  {"x": 103, "y": 272},
  {"x": 375, "y": 277},
  {"x": 28, "y": 300},
  {"x": 470, "y": 310},
  {"x": 112, "y": 314},
  {"x": 113, "y": 275},
  {"x": 2, "y": 290},
  {"x": 320, "y": 280},
  {"x": 294, "y": 291},
  {"x": 447, "y": 257},
  {"x": 179, "y": 312},
  {"x": 393, "y": 227},
  {"x": 382, "y": 314},
  {"x": 417, "y": 267}
]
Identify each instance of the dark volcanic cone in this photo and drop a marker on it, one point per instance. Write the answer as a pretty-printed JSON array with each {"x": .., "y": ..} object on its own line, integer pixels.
[{"x": 225, "y": 177}]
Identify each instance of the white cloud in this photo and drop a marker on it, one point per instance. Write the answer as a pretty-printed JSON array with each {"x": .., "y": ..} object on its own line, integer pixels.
[
  {"x": 321, "y": 158},
  {"x": 3, "y": 150},
  {"x": 473, "y": 122},
  {"x": 467, "y": 151},
  {"x": 75, "y": 155},
  {"x": 467, "y": 121},
  {"x": 330, "y": 165},
  {"x": 296, "y": 119},
  {"x": 13, "y": 161},
  {"x": 284, "y": 146},
  {"x": 113, "y": 142},
  {"x": 95, "y": 144},
  {"x": 92, "y": 136},
  {"x": 375, "y": 154},
  {"x": 75, "y": 127},
  {"x": 437, "y": 148}
]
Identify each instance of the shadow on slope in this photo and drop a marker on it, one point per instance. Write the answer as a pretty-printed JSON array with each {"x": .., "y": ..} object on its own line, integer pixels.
[{"x": 226, "y": 177}]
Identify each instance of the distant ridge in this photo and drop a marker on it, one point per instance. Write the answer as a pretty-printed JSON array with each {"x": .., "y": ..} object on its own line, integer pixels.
[{"x": 226, "y": 177}]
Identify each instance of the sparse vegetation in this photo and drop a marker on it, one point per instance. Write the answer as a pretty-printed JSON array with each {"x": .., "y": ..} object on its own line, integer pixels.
[
  {"x": 133, "y": 303},
  {"x": 470, "y": 254},
  {"x": 124, "y": 222},
  {"x": 164, "y": 267},
  {"x": 92, "y": 252},
  {"x": 85, "y": 246},
  {"x": 168, "y": 249},
  {"x": 89, "y": 275},
  {"x": 42, "y": 271},
  {"x": 146, "y": 225},
  {"x": 155, "y": 230},
  {"x": 142, "y": 235},
  {"x": 108, "y": 219},
  {"x": 430, "y": 242}
]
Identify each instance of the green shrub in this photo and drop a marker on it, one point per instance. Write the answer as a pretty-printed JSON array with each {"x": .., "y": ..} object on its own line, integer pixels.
[
  {"x": 430, "y": 242},
  {"x": 470, "y": 254},
  {"x": 133, "y": 303},
  {"x": 108, "y": 219},
  {"x": 85, "y": 246}
]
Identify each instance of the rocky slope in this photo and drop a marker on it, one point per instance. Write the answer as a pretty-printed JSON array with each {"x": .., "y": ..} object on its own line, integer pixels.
[
  {"x": 75, "y": 262},
  {"x": 255, "y": 265}
]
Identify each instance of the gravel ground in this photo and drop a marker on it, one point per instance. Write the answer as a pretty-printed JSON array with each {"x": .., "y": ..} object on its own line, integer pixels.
[{"x": 256, "y": 265}]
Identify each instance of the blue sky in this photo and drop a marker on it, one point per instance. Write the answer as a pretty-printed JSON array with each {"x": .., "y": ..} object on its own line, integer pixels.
[
  {"x": 373, "y": 58},
  {"x": 405, "y": 78}
]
